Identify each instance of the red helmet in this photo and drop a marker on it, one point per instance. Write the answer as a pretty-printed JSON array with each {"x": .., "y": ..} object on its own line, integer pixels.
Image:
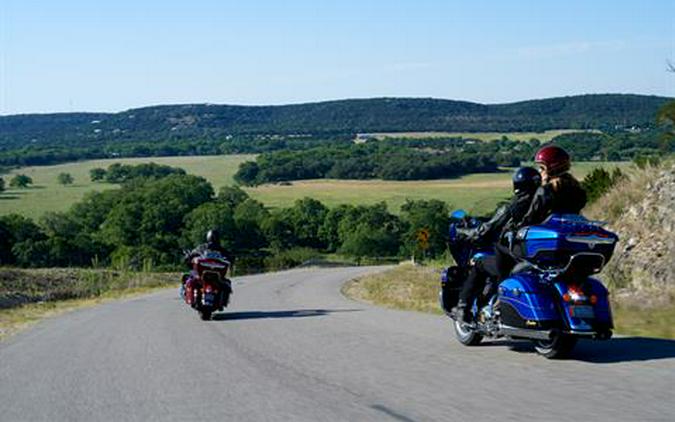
[{"x": 555, "y": 159}]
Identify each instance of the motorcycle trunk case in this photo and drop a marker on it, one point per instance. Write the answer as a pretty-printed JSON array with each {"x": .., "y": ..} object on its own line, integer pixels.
[{"x": 552, "y": 243}]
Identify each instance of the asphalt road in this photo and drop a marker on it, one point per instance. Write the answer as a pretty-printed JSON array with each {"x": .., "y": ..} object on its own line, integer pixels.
[{"x": 292, "y": 348}]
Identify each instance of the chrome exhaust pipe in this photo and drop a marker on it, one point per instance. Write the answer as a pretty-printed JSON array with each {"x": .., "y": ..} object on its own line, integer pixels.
[{"x": 507, "y": 330}]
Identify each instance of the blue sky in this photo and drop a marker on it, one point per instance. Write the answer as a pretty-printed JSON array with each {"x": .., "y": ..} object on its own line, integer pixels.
[{"x": 111, "y": 56}]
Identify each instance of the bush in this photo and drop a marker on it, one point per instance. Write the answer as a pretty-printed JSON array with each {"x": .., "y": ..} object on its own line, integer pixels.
[
  {"x": 290, "y": 258},
  {"x": 599, "y": 181},
  {"x": 97, "y": 174},
  {"x": 20, "y": 181},
  {"x": 65, "y": 178}
]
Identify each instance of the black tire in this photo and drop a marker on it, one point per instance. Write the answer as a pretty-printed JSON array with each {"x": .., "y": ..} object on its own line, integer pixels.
[
  {"x": 205, "y": 315},
  {"x": 466, "y": 335},
  {"x": 559, "y": 347}
]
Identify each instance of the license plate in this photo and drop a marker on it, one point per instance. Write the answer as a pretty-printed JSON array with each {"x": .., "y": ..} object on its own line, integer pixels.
[{"x": 585, "y": 312}]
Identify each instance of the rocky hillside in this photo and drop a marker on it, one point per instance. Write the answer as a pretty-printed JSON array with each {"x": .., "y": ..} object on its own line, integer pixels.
[{"x": 641, "y": 209}]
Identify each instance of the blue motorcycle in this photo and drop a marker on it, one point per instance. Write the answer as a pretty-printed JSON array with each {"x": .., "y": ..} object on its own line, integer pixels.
[{"x": 549, "y": 298}]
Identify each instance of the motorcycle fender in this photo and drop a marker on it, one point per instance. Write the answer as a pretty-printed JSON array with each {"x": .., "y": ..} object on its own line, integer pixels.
[
  {"x": 602, "y": 311},
  {"x": 524, "y": 302}
]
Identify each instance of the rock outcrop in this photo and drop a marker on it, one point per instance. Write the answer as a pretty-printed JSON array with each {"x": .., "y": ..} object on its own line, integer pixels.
[{"x": 641, "y": 210}]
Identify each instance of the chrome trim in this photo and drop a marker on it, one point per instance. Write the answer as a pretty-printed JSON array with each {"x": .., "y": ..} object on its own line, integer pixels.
[
  {"x": 591, "y": 240},
  {"x": 556, "y": 272},
  {"x": 507, "y": 330},
  {"x": 581, "y": 333}
]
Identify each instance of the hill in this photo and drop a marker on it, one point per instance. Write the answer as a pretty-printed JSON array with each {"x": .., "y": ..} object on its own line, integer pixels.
[{"x": 207, "y": 121}]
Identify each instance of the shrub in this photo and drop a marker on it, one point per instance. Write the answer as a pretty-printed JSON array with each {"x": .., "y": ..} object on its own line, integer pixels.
[
  {"x": 65, "y": 178},
  {"x": 20, "y": 181}
]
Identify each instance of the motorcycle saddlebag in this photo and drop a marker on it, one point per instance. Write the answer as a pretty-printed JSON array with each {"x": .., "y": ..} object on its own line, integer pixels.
[
  {"x": 526, "y": 303},
  {"x": 452, "y": 279}
]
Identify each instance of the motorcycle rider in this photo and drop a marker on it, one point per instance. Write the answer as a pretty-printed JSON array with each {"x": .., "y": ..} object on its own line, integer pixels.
[
  {"x": 526, "y": 181},
  {"x": 212, "y": 244}
]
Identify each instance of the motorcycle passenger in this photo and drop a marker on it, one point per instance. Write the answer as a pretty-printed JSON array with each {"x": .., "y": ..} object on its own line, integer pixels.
[
  {"x": 560, "y": 193},
  {"x": 526, "y": 180}
]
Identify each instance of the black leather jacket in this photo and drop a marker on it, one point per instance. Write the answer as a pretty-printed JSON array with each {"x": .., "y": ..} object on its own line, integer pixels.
[
  {"x": 199, "y": 250},
  {"x": 506, "y": 218},
  {"x": 569, "y": 198}
]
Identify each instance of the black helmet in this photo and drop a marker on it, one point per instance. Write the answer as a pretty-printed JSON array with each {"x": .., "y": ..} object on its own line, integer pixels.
[
  {"x": 526, "y": 179},
  {"x": 212, "y": 237}
]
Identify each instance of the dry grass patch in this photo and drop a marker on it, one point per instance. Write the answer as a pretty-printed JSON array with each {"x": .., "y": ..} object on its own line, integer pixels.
[{"x": 404, "y": 287}]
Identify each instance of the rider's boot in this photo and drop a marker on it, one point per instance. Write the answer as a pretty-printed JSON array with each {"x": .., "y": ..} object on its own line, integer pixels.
[{"x": 462, "y": 312}]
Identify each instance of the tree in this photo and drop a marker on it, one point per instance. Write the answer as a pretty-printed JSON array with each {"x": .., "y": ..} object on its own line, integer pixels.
[
  {"x": 247, "y": 173},
  {"x": 306, "y": 218},
  {"x": 367, "y": 241},
  {"x": 97, "y": 174},
  {"x": 209, "y": 216},
  {"x": 232, "y": 195},
  {"x": 19, "y": 237},
  {"x": 65, "y": 178},
  {"x": 2, "y": 184},
  {"x": 430, "y": 216},
  {"x": 20, "y": 181},
  {"x": 150, "y": 214}
]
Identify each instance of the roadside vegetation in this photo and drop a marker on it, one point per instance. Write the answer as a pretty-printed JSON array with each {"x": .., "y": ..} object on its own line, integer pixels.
[{"x": 26, "y": 296}]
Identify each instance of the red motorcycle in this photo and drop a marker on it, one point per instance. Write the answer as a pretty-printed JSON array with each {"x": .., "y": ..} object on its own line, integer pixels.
[{"x": 206, "y": 289}]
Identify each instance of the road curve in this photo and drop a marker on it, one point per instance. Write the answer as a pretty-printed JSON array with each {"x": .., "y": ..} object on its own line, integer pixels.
[{"x": 292, "y": 348}]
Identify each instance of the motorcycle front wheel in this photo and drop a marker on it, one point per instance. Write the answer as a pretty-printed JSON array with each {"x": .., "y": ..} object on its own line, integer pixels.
[
  {"x": 558, "y": 347},
  {"x": 466, "y": 335}
]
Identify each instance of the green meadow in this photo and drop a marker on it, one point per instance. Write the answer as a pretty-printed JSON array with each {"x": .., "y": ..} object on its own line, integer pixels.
[{"x": 477, "y": 193}]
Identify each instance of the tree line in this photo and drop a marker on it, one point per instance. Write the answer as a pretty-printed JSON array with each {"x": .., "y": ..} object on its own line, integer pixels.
[{"x": 151, "y": 219}]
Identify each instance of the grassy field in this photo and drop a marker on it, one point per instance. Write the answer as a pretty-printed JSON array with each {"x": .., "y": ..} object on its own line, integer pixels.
[
  {"x": 48, "y": 195},
  {"x": 483, "y": 136},
  {"x": 477, "y": 193},
  {"x": 416, "y": 288}
]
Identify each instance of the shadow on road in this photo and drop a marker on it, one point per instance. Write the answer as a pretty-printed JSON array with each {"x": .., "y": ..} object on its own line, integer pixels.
[
  {"x": 616, "y": 350},
  {"x": 624, "y": 349},
  {"x": 297, "y": 313}
]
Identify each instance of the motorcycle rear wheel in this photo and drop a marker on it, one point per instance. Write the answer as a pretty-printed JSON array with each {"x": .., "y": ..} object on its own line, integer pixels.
[
  {"x": 558, "y": 347},
  {"x": 205, "y": 315},
  {"x": 466, "y": 335}
]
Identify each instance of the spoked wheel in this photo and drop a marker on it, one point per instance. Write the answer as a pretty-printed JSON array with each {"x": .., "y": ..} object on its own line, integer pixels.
[
  {"x": 558, "y": 347},
  {"x": 466, "y": 335}
]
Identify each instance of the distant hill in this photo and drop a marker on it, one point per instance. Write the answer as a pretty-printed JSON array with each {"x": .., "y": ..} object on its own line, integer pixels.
[{"x": 206, "y": 121}]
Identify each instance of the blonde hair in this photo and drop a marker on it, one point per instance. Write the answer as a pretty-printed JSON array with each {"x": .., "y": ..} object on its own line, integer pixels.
[{"x": 558, "y": 181}]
